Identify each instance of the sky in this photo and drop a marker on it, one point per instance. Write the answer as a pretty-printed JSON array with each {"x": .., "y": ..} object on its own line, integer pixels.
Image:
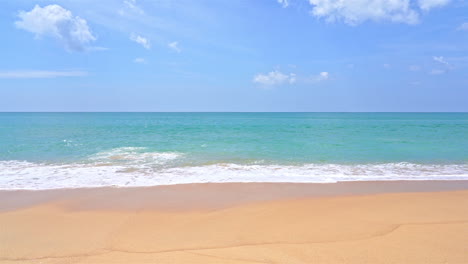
[{"x": 234, "y": 55}]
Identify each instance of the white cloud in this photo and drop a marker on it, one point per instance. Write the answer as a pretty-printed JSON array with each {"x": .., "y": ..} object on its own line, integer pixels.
[
  {"x": 274, "y": 78},
  {"x": 414, "y": 68},
  {"x": 139, "y": 60},
  {"x": 40, "y": 74},
  {"x": 141, "y": 40},
  {"x": 278, "y": 78},
  {"x": 354, "y": 12},
  {"x": 358, "y": 11},
  {"x": 292, "y": 78},
  {"x": 323, "y": 76},
  {"x": 463, "y": 26},
  {"x": 174, "y": 46},
  {"x": 429, "y": 4},
  {"x": 130, "y": 7},
  {"x": 441, "y": 60},
  {"x": 283, "y": 3},
  {"x": 57, "y": 22},
  {"x": 387, "y": 66}
]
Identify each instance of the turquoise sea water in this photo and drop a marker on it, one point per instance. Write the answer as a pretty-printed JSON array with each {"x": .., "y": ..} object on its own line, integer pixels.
[{"x": 59, "y": 150}]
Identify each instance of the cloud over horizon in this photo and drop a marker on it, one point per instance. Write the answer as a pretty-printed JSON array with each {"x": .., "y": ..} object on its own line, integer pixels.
[
  {"x": 277, "y": 77},
  {"x": 274, "y": 78}
]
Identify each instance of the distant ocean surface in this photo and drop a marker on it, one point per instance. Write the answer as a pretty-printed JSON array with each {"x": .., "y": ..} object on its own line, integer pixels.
[{"x": 70, "y": 150}]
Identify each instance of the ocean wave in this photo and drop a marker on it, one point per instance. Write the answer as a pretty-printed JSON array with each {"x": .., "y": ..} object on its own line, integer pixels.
[
  {"x": 133, "y": 155},
  {"x": 30, "y": 175}
]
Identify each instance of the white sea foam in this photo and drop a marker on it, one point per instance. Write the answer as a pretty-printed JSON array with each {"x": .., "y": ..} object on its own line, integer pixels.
[
  {"x": 29, "y": 175},
  {"x": 133, "y": 156}
]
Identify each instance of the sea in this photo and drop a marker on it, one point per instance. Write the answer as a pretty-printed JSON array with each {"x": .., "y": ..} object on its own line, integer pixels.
[{"x": 75, "y": 150}]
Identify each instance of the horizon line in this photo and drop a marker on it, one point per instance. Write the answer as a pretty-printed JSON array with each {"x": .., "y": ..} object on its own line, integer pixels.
[{"x": 233, "y": 111}]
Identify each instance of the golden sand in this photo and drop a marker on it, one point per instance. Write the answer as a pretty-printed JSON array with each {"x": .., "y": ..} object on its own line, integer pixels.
[{"x": 414, "y": 227}]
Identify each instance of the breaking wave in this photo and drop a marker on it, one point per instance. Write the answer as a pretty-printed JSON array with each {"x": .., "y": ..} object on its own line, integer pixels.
[{"x": 131, "y": 166}]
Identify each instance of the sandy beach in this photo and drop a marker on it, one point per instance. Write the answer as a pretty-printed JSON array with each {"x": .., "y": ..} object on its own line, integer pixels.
[
  {"x": 356, "y": 222},
  {"x": 237, "y": 132}
]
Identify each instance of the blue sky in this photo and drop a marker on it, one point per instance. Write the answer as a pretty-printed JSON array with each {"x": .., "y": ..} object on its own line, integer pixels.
[{"x": 243, "y": 55}]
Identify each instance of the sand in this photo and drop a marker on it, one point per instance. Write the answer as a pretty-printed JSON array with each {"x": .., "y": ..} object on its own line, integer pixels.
[{"x": 401, "y": 222}]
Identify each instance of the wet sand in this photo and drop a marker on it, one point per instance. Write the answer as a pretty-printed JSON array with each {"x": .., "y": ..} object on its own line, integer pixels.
[{"x": 355, "y": 222}]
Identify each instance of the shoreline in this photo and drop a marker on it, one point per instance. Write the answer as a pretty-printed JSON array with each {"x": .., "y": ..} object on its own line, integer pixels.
[
  {"x": 133, "y": 167},
  {"x": 358, "y": 222},
  {"x": 213, "y": 195}
]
